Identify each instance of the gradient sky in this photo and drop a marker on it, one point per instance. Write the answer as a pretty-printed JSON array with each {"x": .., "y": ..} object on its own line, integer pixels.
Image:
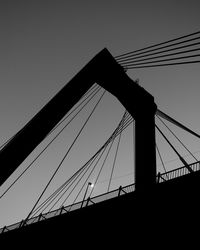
[{"x": 45, "y": 43}]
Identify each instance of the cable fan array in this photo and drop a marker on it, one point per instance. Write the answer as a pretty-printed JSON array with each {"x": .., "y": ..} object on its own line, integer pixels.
[
  {"x": 62, "y": 194},
  {"x": 92, "y": 92},
  {"x": 65, "y": 191},
  {"x": 78, "y": 181},
  {"x": 150, "y": 56}
]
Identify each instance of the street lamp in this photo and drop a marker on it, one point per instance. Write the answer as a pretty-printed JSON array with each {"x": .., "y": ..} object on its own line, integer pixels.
[{"x": 91, "y": 185}]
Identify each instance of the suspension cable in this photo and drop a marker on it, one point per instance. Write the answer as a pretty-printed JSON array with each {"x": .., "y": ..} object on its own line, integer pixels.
[
  {"x": 161, "y": 52},
  {"x": 111, "y": 139},
  {"x": 161, "y": 65},
  {"x": 177, "y": 138},
  {"x": 7, "y": 141},
  {"x": 155, "y": 45},
  {"x": 162, "y": 161},
  {"x": 115, "y": 157},
  {"x": 180, "y": 157},
  {"x": 160, "y": 56},
  {"x": 102, "y": 166},
  {"x": 52, "y": 197},
  {"x": 85, "y": 180},
  {"x": 90, "y": 161},
  {"x": 84, "y": 168},
  {"x": 175, "y": 122},
  {"x": 160, "y": 61},
  {"x": 28, "y": 167},
  {"x": 91, "y": 173},
  {"x": 95, "y": 88},
  {"x": 100, "y": 155},
  {"x": 115, "y": 133},
  {"x": 128, "y": 119},
  {"x": 65, "y": 156},
  {"x": 106, "y": 144},
  {"x": 128, "y": 60}
]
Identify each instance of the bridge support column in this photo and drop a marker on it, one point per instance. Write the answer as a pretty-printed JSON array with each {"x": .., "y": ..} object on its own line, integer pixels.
[{"x": 145, "y": 148}]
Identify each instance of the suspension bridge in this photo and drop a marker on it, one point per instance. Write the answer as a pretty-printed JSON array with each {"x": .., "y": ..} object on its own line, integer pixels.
[{"x": 74, "y": 201}]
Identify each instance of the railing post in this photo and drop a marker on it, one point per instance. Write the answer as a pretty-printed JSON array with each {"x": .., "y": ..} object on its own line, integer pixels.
[
  {"x": 61, "y": 210},
  {"x": 158, "y": 177},
  {"x": 39, "y": 217},
  {"x": 4, "y": 228},
  {"x": 22, "y": 223},
  {"x": 120, "y": 189},
  {"x": 88, "y": 200}
]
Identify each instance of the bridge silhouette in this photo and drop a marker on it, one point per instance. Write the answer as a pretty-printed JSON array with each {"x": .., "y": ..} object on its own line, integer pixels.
[
  {"x": 170, "y": 175},
  {"x": 150, "y": 189}
]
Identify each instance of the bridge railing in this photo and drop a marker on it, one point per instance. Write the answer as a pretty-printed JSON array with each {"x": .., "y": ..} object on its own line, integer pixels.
[
  {"x": 109, "y": 195},
  {"x": 179, "y": 172},
  {"x": 106, "y": 196}
]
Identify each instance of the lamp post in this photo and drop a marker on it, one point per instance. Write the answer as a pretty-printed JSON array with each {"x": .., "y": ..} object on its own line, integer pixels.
[{"x": 91, "y": 185}]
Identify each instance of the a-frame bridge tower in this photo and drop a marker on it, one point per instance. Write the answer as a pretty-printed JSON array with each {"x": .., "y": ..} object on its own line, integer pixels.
[
  {"x": 104, "y": 70},
  {"x": 128, "y": 217}
]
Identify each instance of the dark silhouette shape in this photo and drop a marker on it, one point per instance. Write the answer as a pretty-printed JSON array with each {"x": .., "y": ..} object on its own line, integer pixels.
[
  {"x": 169, "y": 212},
  {"x": 104, "y": 70},
  {"x": 154, "y": 215}
]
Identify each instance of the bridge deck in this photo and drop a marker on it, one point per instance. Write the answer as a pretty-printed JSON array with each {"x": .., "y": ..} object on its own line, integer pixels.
[{"x": 165, "y": 177}]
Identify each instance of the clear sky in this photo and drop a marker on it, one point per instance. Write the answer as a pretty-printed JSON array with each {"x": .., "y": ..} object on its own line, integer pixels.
[{"x": 45, "y": 43}]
